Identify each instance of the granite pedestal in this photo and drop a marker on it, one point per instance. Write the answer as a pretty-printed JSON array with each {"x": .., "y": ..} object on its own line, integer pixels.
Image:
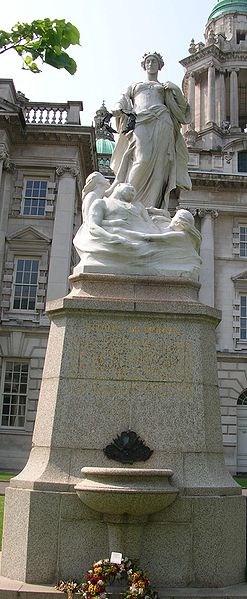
[{"x": 125, "y": 353}]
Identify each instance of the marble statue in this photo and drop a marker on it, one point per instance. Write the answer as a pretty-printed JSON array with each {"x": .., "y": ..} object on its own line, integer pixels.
[
  {"x": 151, "y": 153},
  {"x": 94, "y": 188},
  {"x": 119, "y": 235}
]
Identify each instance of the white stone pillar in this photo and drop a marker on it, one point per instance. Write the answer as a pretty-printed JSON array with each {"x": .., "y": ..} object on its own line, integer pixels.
[
  {"x": 234, "y": 111},
  {"x": 60, "y": 259},
  {"x": 211, "y": 94},
  {"x": 206, "y": 293},
  {"x": 191, "y": 96},
  {"x": 222, "y": 97}
]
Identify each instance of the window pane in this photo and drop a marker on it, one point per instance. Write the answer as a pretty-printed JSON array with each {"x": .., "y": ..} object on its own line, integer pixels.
[
  {"x": 25, "y": 288},
  {"x": 243, "y": 241},
  {"x": 24, "y": 304},
  {"x": 31, "y": 305},
  {"x": 242, "y": 162},
  {"x": 35, "y": 194},
  {"x": 14, "y": 401},
  {"x": 35, "y": 265},
  {"x": 18, "y": 278}
]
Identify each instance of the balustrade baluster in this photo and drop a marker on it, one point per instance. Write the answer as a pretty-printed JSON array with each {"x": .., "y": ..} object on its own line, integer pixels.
[
  {"x": 53, "y": 122},
  {"x": 40, "y": 116}
]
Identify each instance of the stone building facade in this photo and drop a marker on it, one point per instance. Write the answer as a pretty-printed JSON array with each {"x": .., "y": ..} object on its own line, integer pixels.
[
  {"x": 215, "y": 84},
  {"x": 45, "y": 156}
]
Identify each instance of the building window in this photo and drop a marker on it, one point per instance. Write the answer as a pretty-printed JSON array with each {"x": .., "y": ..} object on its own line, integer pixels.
[
  {"x": 242, "y": 162},
  {"x": 34, "y": 198},
  {"x": 14, "y": 394},
  {"x": 243, "y": 318},
  {"x": 242, "y": 400},
  {"x": 241, "y": 35},
  {"x": 25, "y": 285},
  {"x": 243, "y": 242}
]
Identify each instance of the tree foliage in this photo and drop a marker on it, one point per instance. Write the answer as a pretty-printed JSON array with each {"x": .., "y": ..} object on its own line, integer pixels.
[{"x": 42, "y": 39}]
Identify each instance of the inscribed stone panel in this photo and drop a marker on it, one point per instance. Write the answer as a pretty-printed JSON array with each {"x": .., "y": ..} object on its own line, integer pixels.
[{"x": 117, "y": 349}]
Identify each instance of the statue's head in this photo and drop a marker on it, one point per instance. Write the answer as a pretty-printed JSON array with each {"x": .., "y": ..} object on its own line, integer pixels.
[
  {"x": 95, "y": 180},
  {"x": 124, "y": 192},
  {"x": 183, "y": 220},
  {"x": 152, "y": 55},
  {"x": 183, "y": 216}
]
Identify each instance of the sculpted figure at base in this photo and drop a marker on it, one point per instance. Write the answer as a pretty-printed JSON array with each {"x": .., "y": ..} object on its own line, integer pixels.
[
  {"x": 152, "y": 156},
  {"x": 95, "y": 187},
  {"x": 120, "y": 236}
]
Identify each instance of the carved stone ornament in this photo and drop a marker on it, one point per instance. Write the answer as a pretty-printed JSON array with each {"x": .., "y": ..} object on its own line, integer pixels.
[
  {"x": 192, "y": 47},
  {"x": 9, "y": 166},
  {"x": 191, "y": 136},
  {"x": 228, "y": 156},
  {"x": 203, "y": 212},
  {"x": 211, "y": 39},
  {"x": 226, "y": 126},
  {"x": 3, "y": 154},
  {"x": 128, "y": 448},
  {"x": 66, "y": 169}
]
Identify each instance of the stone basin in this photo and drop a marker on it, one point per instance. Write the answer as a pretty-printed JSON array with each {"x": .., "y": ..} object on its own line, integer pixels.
[{"x": 133, "y": 491}]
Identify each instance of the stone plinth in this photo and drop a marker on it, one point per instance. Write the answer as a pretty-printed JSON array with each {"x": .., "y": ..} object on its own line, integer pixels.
[{"x": 128, "y": 353}]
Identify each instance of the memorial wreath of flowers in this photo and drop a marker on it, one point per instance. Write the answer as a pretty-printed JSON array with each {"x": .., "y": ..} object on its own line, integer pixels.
[{"x": 104, "y": 573}]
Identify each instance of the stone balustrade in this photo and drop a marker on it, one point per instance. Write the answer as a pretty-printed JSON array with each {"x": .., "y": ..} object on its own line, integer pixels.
[{"x": 39, "y": 113}]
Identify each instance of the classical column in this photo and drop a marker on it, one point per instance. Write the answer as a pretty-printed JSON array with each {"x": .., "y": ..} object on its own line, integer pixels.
[
  {"x": 59, "y": 268},
  {"x": 222, "y": 97},
  {"x": 7, "y": 170},
  {"x": 211, "y": 94},
  {"x": 206, "y": 293},
  {"x": 191, "y": 96},
  {"x": 234, "y": 112}
]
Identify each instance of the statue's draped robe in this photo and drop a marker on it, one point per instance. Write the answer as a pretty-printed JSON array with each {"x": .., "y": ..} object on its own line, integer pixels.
[
  {"x": 177, "y": 250},
  {"x": 156, "y": 146}
]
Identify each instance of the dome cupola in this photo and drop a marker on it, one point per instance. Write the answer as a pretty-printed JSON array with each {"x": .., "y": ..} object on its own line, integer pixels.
[{"x": 225, "y": 7}]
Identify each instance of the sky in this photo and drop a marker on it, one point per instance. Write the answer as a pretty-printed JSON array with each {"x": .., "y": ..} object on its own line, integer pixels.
[{"x": 114, "y": 36}]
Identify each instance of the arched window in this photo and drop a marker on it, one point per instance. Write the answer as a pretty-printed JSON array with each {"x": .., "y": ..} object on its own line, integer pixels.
[
  {"x": 242, "y": 162},
  {"x": 242, "y": 400}
]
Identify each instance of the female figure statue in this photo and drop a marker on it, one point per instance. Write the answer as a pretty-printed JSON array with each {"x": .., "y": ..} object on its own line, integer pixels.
[{"x": 153, "y": 156}]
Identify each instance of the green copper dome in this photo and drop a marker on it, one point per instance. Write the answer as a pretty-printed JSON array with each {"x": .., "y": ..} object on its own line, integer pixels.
[
  {"x": 105, "y": 146},
  {"x": 224, "y": 7}
]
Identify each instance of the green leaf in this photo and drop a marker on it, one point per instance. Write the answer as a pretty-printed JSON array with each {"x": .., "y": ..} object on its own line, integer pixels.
[
  {"x": 60, "y": 61},
  {"x": 71, "y": 34},
  {"x": 28, "y": 60},
  {"x": 34, "y": 68}
]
